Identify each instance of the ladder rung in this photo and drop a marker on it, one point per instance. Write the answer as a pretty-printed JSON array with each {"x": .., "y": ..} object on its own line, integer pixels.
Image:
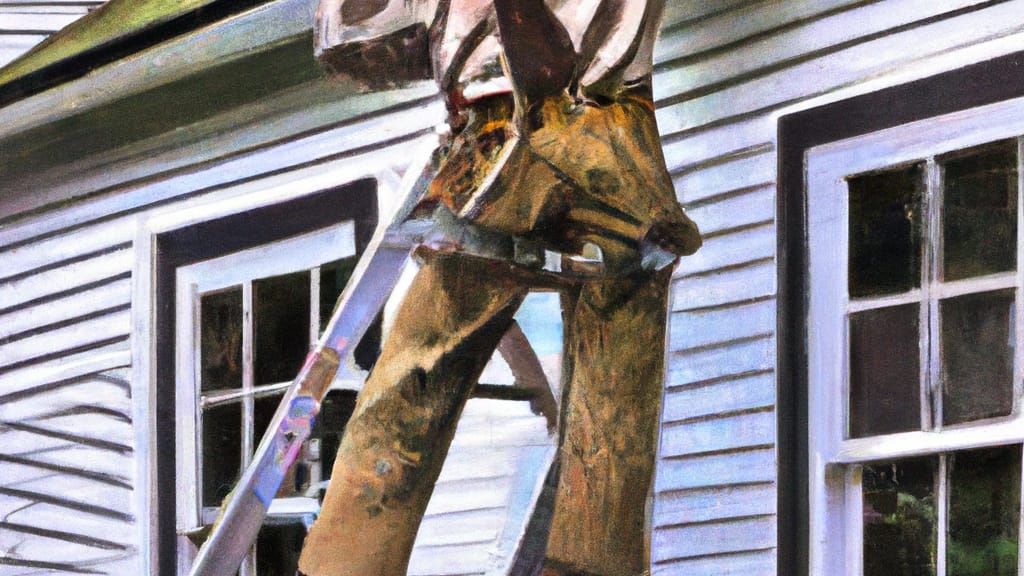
[{"x": 503, "y": 392}]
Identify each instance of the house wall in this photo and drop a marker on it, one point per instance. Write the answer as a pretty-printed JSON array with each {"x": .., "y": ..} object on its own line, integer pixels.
[
  {"x": 25, "y": 23},
  {"x": 726, "y": 72}
]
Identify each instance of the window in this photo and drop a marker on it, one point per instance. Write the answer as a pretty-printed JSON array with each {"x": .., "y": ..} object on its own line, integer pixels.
[
  {"x": 914, "y": 377},
  {"x": 247, "y": 322}
]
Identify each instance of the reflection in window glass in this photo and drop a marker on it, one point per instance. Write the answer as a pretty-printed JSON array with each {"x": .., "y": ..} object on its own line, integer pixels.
[
  {"x": 885, "y": 232},
  {"x": 263, "y": 412},
  {"x": 330, "y": 424},
  {"x": 221, "y": 340},
  {"x": 279, "y": 546},
  {"x": 977, "y": 356},
  {"x": 984, "y": 512},
  {"x": 333, "y": 277},
  {"x": 899, "y": 518},
  {"x": 885, "y": 377},
  {"x": 281, "y": 324},
  {"x": 980, "y": 212},
  {"x": 222, "y": 451}
]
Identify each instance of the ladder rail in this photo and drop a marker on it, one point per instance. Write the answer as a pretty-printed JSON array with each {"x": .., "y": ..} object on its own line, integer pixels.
[{"x": 372, "y": 282}]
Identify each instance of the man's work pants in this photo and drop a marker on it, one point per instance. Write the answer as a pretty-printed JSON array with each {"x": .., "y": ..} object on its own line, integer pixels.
[{"x": 446, "y": 330}]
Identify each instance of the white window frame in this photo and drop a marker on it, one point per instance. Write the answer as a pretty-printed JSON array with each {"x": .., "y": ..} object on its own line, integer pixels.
[
  {"x": 835, "y": 462},
  {"x": 306, "y": 252},
  {"x": 383, "y": 167}
]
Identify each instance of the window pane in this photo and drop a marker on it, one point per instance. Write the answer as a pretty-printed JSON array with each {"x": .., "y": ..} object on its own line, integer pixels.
[
  {"x": 221, "y": 340},
  {"x": 984, "y": 512},
  {"x": 333, "y": 277},
  {"x": 330, "y": 425},
  {"x": 977, "y": 356},
  {"x": 263, "y": 411},
  {"x": 278, "y": 547},
  {"x": 885, "y": 392},
  {"x": 281, "y": 326},
  {"x": 899, "y": 518},
  {"x": 222, "y": 451},
  {"x": 885, "y": 232},
  {"x": 980, "y": 217}
]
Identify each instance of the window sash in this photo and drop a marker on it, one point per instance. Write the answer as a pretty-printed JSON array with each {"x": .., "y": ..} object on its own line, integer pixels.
[
  {"x": 304, "y": 252},
  {"x": 836, "y": 538},
  {"x": 933, "y": 290},
  {"x": 827, "y": 169},
  {"x": 854, "y": 519}
]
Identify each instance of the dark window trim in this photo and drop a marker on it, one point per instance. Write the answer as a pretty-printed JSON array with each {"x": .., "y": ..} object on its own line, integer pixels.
[
  {"x": 976, "y": 85},
  {"x": 355, "y": 201}
]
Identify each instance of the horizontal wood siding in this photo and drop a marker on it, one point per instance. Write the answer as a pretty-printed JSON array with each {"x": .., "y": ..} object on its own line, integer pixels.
[
  {"x": 23, "y": 24},
  {"x": 724, "y": 72},
  {"x": 468, "y": 512},
  {"x": 67, "y": 461}
]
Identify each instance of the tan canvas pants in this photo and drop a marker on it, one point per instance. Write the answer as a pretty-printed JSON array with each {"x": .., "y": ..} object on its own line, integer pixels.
[{"x": 446, "y": 330}]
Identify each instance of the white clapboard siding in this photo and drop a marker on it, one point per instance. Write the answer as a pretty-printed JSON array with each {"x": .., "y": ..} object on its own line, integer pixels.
[
  {"x": 845, "y": 67},
  {"x": 697, "y": 183},
  {"x": 722, "y": 78},
  {"x": 731, "y": 535},
  {"x": 46, "y": 22},
  {"x": 13, "y": 45},
  {"x": 66, "y": 280},
  {"x": 747, "y": 19},
  {"x": 67, "y": 462},
  {"x": 710, "y": 504},
  {"x": 684, "y": 150},
  {"x": 743, "y": 208},
  {"x": 76, "y": 244},
  {"x": 684, "y": 11},
  {"x": 757, "y": 563},
  {"x": 718, "y": 433},
  {"x": 85, "y": 334},
  {"x": 713, "y": 327},
  {"x": 748, "y": 246},
  {"x": 753, "y": 465},
  {"x": 787, "y": 45},
  {"x": 753, "y": 354},
  {"x": 747, "y": 392},
  {"x": 735, "y": 284},
  {"x": 86, "y": 302},
  {"x": 468, "y": 512},
  {"x": 24, "y": 24}
]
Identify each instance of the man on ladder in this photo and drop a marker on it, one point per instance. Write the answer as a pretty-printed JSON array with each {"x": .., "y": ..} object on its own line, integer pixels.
[{"x": 554, "y": 146}]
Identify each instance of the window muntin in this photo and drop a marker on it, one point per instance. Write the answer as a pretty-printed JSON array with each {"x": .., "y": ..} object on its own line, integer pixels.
[
  {"x": 885, "y": 232},
  {"x": 241, "y": 316},
  {"x": 912, "y": 230},
  {"x": 246, "y": 322},
  {"x": 234, "y": 414},
  {"x": 967, "y": 313}
]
